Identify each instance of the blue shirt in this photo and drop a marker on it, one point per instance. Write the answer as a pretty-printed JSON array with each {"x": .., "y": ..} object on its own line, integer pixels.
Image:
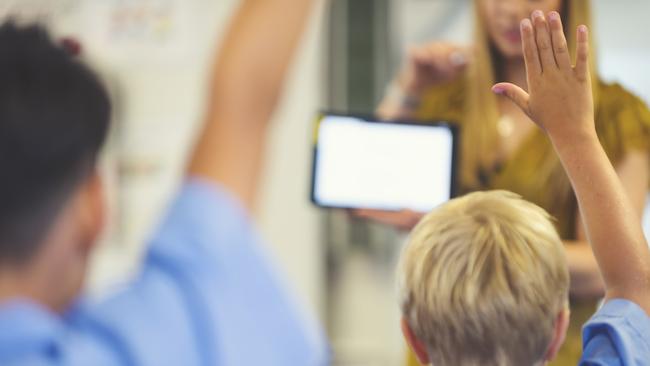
[
  {"x": 619, "y": 334},
  {"x": 207, "y": 295}
]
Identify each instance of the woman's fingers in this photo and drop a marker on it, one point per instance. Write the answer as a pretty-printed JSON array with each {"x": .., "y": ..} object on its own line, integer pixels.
[
  {"x": 440, "y": 56},
  {"x": 531, "y": 56},
  {"x": 418, "y": 55},
  {"x": 582, "y": 54},
  {"x": 404, "y": 220},
  {"x": 544, "y": 43},
  {"x": 447, "y": 58},
  {"x": 560, "y": 48}
]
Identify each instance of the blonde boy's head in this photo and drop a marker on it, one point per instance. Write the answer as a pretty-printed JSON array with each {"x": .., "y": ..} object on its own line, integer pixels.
[{"x": 483, "y": 280}]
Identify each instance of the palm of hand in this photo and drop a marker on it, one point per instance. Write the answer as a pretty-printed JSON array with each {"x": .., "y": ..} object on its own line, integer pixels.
[{"x": 560, "y": 99}]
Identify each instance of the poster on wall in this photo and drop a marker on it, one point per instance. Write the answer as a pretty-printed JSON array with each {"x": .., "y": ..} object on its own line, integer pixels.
[
  {"x": 42, "y": 11},
  {"x": 137, "y": 32}
]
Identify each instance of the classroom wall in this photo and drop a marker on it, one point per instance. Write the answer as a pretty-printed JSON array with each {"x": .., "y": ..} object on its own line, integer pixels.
[{"x": 624, "y": 50}]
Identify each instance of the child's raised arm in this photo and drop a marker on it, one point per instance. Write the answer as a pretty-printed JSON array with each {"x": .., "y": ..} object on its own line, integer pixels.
[
  {"x": 247, "y": 82},
  {"x": 560, "y": 102}
]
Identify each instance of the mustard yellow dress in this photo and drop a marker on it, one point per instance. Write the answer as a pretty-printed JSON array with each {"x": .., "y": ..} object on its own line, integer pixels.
[{"x": 623, "y": 125}]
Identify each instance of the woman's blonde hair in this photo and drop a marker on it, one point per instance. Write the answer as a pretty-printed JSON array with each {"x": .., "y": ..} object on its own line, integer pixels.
[
  {"x": 482, "y": 281},
  {"x": 481, "y": 114}
]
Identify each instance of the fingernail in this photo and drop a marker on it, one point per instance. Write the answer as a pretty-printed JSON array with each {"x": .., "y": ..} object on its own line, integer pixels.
[
  {"x": 554, "y": 16},
  {"x": 583, "y": 29},
  {"x": 538, "y": 14},
  {"x": 457, "y": 59},
  {"x": 526, "y": 24},
  {"x": 498, "y": 90}
]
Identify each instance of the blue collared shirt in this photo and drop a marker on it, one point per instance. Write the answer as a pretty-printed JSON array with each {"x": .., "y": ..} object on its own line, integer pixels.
[
  {"x": 207, "y": 295},
  {"x": 619, "y": 334}
]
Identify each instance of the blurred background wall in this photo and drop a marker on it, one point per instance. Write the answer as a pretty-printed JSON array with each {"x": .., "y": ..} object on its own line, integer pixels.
[{"x": 155, "y": 56}]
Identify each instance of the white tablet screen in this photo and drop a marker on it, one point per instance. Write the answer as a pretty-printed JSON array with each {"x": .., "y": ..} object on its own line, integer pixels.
[{"x": 388, "y": 166}]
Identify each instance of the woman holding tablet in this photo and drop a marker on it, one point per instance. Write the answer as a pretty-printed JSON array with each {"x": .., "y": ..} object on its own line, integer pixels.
[{"x": 502, "y": 149}]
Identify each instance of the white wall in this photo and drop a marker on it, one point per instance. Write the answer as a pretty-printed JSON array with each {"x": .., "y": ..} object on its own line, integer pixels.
[
  {"x": 624, "y": 50},
  {"x": 623, "y": 45}
]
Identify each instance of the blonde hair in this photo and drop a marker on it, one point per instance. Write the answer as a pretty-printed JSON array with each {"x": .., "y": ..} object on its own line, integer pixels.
[
  {"x": 481, "y": 113},
  {"x": 482, "y": 281}
]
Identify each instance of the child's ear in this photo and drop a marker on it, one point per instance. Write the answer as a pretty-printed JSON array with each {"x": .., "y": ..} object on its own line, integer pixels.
[
  {"x": 418, "y": 347},
  {"x": 559, "y": 333}
]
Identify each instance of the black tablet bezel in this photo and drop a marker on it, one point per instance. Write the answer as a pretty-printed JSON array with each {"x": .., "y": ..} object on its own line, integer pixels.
[{"x": 373, "y": 119}]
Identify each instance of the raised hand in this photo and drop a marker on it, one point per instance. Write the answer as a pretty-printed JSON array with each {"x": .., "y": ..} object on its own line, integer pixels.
[
  {"x": 250, "y": 71},
  {"x": 559, "y": 97},
  {"x": 560, "y": 102}
]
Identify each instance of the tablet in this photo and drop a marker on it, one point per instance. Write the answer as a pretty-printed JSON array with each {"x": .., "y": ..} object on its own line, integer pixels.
[{"x": 369, "y": 164}]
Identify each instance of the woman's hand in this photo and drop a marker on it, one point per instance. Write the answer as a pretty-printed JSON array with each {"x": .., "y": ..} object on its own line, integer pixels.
[
  {"x": 402, "y": 220},
  {"x": 431, "y": 64},
  {"x": 426, "y": 66}
]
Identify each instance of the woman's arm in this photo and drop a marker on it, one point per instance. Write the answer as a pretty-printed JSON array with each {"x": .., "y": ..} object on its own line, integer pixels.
[
  {"x": 425, "y": 67},
  {"x": 586, "y": 281},
  {"x": 398, "y": 104}
]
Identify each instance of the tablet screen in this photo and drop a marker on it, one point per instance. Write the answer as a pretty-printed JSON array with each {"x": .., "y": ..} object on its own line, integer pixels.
[{"x": 359, "y": 163}]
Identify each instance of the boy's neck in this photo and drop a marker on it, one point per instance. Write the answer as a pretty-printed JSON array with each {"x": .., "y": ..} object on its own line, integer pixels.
[
  {"x": 19, "y": 284},
  {"x": 33, "y": 282}
]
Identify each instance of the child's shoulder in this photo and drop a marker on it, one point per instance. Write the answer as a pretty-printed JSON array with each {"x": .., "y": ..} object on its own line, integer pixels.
[{"x": 618, "y": 334}]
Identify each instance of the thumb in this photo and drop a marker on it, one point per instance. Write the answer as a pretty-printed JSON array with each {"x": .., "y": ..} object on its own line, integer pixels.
[{"x": 514, "y": 93}]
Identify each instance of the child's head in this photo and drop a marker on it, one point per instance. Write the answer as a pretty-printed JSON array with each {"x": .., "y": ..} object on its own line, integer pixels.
[
  {"x": 484, "y": 281},
  {"x": 54, "y": 117}
]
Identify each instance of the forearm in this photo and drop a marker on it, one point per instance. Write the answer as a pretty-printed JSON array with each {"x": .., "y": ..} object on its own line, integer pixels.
[
  {"x": 389, "y": 110},
  {"x": 397, "y": 107},
  {"x": 586, "y": 280},
  {"x": 400, "y": 102},
  {"x": 610, "y": 220},
  {"x": 245, "y": 87},
  {"x": 560, "y": 101}
]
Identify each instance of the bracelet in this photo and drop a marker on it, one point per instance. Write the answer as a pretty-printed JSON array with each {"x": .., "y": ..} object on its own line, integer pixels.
[{"x": 397, "y": 95}]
